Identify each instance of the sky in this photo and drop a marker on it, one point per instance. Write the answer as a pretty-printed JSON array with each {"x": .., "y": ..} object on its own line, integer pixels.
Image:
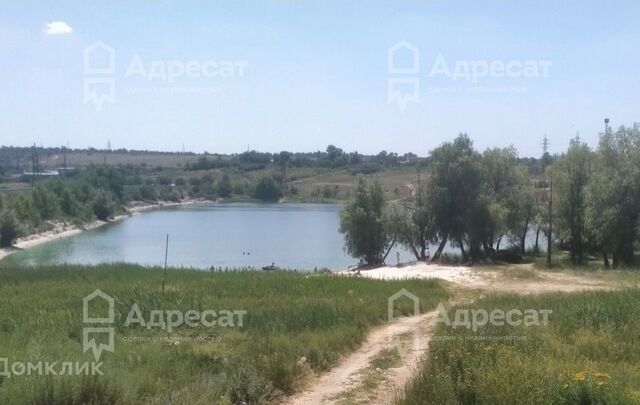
[{"x": 227, "y": 76}]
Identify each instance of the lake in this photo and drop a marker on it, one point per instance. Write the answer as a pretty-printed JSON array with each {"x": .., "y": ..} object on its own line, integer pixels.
[
  {"x": 300, "y": 236},
  {"x": 227, "y": 235}
]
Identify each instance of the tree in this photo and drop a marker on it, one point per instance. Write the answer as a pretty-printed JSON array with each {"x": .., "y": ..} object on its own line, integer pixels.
[
  {"x": 413, "y": 222},
  {"x": 521, "y": 208},
  {"x": 510, "y": 197},
  {"x": 45, "y": 201},
  {"x": 362, "y": 221},
  {"x": 103, "y": 205},
  {"x": 455, "y": 189},
  {"x": 267, "y": 189},
  {"x": 10, "y": 228},
  {"x": 546, "y": 210},
  {"x": 613, "y": 196},
  {"x": 572, "y": 175},
  {"x": 224, "y": 186},
  {"x": 284, "y": 157}
]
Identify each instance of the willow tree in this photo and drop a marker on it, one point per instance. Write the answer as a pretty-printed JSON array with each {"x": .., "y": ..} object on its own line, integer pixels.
[
  {"x": 454, "y": 189},
  {"x": 362, "y": 221},
  {"x": 572, "y": 175},
  {"x": 613, "y": 196}
]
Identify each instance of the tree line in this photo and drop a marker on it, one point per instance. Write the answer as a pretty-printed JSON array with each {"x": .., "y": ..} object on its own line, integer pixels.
[
  {"x": 100, "y": 192},
  {"x": 485, "y": 204}
]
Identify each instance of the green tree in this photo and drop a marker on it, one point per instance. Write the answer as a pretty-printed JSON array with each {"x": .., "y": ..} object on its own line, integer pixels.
[
  {"x": 103, "y": 205},
  {"x": 224, "y": 186},
  {"x": 10, "y": 228},
  {"x": 362, "y": 221},
  {"x": 413, "y": 222},
  {"x": 267, "y": 189},
  {"x": 455, "y": 190},
  {"x": 572, "y": 175},
  {"x": 26, "y": 210},
  {"x": 45, "y": 201},
  {"x": 613, "y": 196}
]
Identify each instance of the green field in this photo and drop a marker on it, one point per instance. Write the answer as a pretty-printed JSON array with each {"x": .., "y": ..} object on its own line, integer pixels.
[
  {"x": 296, "y": 324},
  {"x": 589, "y": 353}
]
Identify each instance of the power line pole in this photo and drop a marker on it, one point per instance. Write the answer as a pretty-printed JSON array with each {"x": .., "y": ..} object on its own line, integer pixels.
[
  {"x": 545, "y": 152},
  {"x": 545, "y": 145}
]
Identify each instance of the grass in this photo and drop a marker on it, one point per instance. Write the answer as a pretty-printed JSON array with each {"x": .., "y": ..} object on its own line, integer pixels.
[
  {"x": 589, "y": 353},
  {"x": 290, "y": 315}
]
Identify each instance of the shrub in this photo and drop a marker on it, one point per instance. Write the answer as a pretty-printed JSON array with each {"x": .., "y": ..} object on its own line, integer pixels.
[
  {"x": 267, "y": 189},
  {"x": 103, "y": 205},
  {"x": 224, "y": 186},
  {"x": 9, "y": 228}
]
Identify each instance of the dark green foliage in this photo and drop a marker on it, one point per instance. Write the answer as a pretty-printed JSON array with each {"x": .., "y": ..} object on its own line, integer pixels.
[
  {"x": 267, "y": 189},
  {"x": 224, "y": 186},
  {"x": 362, "y": 223},
  {"x": 10, "y": 228},
  {"x": 103, "y": 205}
]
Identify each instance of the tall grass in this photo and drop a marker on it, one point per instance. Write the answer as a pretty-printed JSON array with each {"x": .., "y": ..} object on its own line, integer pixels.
[
  {"x": 290, "y": 316},
  {"x": 589, "y": 353}
]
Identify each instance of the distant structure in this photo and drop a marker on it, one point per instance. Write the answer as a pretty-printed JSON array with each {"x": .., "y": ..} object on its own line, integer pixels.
[
  {"x": 545, "y": 145},
  {"x": 35, "y": 163}
]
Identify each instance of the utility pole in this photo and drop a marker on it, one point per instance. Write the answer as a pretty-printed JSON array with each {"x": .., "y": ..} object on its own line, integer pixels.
[
  {"x": 550, "y": 235},
  {"x": 545, "y": 152}
]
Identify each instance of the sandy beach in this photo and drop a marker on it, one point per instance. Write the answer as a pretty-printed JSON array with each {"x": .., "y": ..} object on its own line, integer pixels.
[{"x": 419, "y": 270}]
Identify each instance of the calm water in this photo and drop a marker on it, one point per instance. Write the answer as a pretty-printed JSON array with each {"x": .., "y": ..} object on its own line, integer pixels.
[{"x": 300, "y": 236}]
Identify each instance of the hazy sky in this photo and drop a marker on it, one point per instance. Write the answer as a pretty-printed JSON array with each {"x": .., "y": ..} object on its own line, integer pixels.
[{"x": 305, "y": 74}]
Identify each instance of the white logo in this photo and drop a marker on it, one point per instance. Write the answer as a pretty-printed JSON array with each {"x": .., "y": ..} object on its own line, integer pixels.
[
  {"x": 99, "y": 71},
  {"x": 403, "y": 83},
  {"x": 90, "y": 333},
  {"x": 395, "y": 338}
]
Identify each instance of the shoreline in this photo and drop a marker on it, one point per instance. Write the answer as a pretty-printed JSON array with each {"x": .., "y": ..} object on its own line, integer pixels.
[{"x": 62, "y": 230}]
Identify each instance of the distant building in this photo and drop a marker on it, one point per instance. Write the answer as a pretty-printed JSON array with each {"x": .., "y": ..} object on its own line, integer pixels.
[{"x": 46, "y": 173}]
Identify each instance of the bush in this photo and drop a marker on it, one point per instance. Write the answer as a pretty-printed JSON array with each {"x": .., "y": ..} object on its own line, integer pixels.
[
  {"x": 9, "y": 228},
  {"x": 224, "y": 186},
  {"x": 267, "y": 190},
  {"x": 103, "y": 206}
]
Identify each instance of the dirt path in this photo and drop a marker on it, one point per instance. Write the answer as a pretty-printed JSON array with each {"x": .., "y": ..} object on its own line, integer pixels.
[
  {"x": 352, "y": 381},
  {"x": 409, "y": 335}
]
